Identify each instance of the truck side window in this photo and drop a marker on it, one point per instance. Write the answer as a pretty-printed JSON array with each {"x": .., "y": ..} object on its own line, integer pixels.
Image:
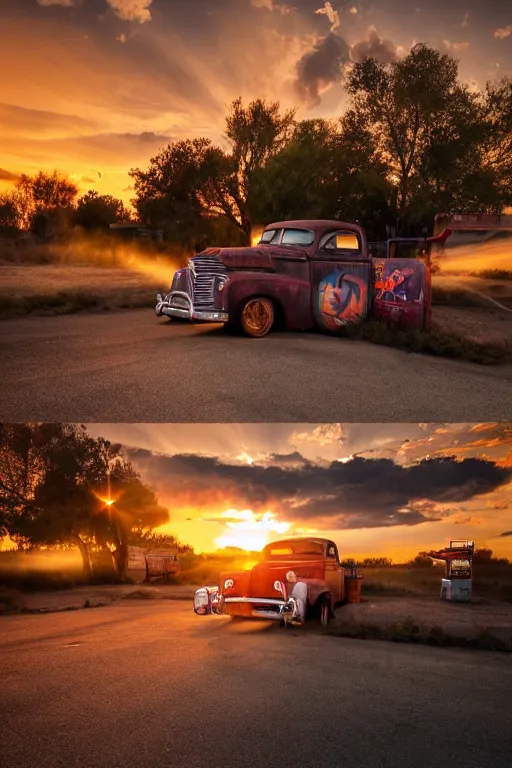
[
  {"x": 340, "y": 241},
  {"x": 270, "y": 236}
]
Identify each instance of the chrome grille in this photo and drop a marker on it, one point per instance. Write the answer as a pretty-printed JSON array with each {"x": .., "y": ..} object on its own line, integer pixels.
[{"x": 205, "y": 270}]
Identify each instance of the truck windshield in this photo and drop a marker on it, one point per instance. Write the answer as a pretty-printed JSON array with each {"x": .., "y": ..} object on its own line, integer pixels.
[
  {"x": 292, "y": 548},
  {"x": 298, "y": 237}
]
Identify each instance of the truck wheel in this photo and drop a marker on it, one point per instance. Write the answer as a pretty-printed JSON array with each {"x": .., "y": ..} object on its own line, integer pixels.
[
  {"x": 257, "y": 317},
  {"x": 325, "y": 612}
]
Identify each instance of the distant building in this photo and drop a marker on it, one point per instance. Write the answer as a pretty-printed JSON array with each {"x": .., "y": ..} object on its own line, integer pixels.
[{"x": 133, "y": 231}]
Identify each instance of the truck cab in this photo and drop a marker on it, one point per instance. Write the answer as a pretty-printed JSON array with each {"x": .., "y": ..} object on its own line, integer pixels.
[
  {"x": 294, "y": 580},
  {"x": 301, "y": 274}
]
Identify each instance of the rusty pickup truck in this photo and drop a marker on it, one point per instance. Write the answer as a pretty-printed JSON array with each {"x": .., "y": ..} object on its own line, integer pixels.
[{"x": 301, "y": 274}]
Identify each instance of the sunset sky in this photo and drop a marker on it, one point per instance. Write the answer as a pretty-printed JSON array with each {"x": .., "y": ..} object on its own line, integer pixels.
[
  {"x": 95, "y": 87},
  {"x": 376, "y": 489}
]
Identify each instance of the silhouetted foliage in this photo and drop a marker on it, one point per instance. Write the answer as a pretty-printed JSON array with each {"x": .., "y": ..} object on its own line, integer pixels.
[
  {"x": 422, "y": 560},
  {"x": 414, "y": 141},
  {"x": 96, "y": 212},
  {"x": 58, "y": 485},
  {"x": 377, "y": 562}
]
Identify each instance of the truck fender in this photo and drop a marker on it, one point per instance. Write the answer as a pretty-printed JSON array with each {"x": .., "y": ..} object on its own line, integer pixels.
[
  {"x": 316, "y": 589},
  {"x": 291, "y": 295}
]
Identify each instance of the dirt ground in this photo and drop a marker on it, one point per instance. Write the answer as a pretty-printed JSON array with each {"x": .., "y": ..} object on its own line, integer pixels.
[
  {"x": 457, "y": 621},
  {"x": 476, "y": 323},
  {"x": 429, "y": 611},
  {"x": 485, "y": 321}
]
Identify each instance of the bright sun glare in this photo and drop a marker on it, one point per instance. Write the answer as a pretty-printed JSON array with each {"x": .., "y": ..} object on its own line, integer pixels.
[
  {"x": 256, "y": 235},
  {"x": 249, "y": 531}
]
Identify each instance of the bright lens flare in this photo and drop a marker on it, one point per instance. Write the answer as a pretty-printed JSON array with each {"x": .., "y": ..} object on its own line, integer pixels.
[
  {"x": 256, "y": 235},
  {"x": 474, "y": 257},
  {"x": 108, "y": 501},
  {"x": 249, "y": 531}
]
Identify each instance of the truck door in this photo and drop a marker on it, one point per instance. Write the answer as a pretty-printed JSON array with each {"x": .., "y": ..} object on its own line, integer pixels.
[
  {"x": 402, "y": 292},
  {"x": 334, "y": 574},
  {"x": 341, "y": 278}
]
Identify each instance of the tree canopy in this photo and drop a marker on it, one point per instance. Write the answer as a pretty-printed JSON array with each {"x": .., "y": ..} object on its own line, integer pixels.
[
  {"x": 414, "y": 140},
  {"x": 59, "y": 485}
]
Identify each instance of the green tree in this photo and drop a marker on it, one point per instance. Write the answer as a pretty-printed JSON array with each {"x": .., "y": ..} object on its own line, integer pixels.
[
  {"x": 168, "y": 195},
  {"x": 297, "y": 182},
  {"x": 191, "y": 183},
  {"x": 362, "y": 187},
  {"x": 58, "y": 485},
  {"x": 422, "y": 560},
  {"x": 147, "y": 537},
  {"x": 327, "y": 170},
  {"x": 497, "y": 105},
  {"x": 10, "y": 223},
  {"x": 484, "y": 555},
  {"x": 45, "y": 202},
  {"x": 426, "y": 124},
  {"x": 377, "y": 562},
  {"x": 96, "y": 212},
  {"x": 257, "y": 133}
]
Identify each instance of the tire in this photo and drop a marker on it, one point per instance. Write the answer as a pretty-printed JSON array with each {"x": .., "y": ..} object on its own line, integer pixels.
[
  {"x": 256, "y": 317},
  {"x": 325, "y": 613}
]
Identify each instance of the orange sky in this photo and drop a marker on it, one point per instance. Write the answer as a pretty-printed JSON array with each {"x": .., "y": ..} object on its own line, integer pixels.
[
  {"x": 246, "y": 484},
  {"x": 95, "y": 87}
]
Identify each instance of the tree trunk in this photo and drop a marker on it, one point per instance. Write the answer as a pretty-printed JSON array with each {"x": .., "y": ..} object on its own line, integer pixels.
[
  {"x": 121, "y": 551},
  {"x": 121, "y": 560},
  {"x": 86, "y": 557},
  {"x": 246, "y": 227}
]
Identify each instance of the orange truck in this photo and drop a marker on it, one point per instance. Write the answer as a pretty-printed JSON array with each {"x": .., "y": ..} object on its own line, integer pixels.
[{"x": 295, "y": 579}]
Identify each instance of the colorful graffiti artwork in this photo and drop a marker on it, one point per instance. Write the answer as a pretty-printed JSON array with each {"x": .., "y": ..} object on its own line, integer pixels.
[
  {"x": 397, "y": 283},
  {"x": 342, "y": 298}
]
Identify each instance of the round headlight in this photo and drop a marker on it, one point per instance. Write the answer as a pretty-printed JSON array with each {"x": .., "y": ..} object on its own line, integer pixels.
[
  {"x": 278, "y": 586},
  {"x": 221, "y": 284},
  {"x": 229, "y": 583},
  {"x": 291, "y": 577}
]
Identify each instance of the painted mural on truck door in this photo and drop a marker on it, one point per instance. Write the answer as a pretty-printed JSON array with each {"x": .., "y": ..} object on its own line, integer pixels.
[
  {"x": 340, "y": 280},
  {"x": 401, "y": 291}
]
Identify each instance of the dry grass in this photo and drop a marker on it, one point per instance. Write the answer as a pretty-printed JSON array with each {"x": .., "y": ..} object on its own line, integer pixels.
[
  {"x": 409, "y": 631},
  {"x": 438, "y": 341},
  {"x": 482, "y": 289},
  {"x": 93, "y": 274},
  {"x": 490, "y": 581}
]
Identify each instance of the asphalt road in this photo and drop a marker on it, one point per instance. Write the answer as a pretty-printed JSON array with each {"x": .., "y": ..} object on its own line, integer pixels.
[
  {"x": 153, "y": 685},
  {"x": 131, "y": 366}
]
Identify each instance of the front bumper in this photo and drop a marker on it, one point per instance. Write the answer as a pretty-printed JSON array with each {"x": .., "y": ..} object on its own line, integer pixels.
[
  {"x": 179, "y": 304},
  {"x": 207, "y": 601}
]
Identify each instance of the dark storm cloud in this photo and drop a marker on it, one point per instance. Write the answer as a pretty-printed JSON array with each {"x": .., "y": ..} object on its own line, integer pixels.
[
  {"x": 360, "y": 493},
  {"x": 293, "y": 459},
  {"x": 320, "y": 68},
  {"x": 376, "y": 47}
]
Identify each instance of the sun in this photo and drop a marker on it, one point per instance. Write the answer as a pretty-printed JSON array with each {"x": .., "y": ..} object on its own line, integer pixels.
[
  {"x": 256, "y": 235},
  {"x": 249, "y": 531}
]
